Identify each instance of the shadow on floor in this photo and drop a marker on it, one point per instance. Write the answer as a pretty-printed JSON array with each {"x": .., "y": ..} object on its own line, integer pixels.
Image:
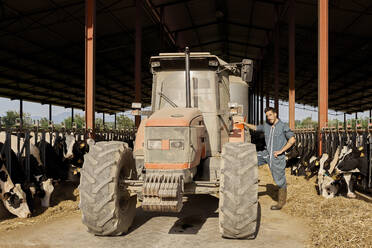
[
  {"x": 271, "y": 190},
  {"x": 195, "y": 212}
]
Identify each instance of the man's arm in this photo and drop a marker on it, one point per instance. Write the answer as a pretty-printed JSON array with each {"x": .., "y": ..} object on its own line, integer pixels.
[
  {"x": 290, "y": 143},
  {"x": 250, "y": 126}
]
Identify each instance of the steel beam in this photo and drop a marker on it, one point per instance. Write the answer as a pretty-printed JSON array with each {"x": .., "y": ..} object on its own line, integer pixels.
[
  {"x": 344, "y": 121},
  {"x": 156, "y": 15},
  {"x": 115, "y": 121},
  {"x": 138, "y": 56},
  {"x": 261, "y": 93},
  {"x": 72, "y": 115},
  {"x": 276, "y": 58},
  {"x": 322, "y": 67},
  {"x": 257, "y": 103},
  {"x": 21, "y": 112},
  {"x": 292, "y": 68},
  {"x": 90, "y": 39},
  {"x": 50, "y": 112}
]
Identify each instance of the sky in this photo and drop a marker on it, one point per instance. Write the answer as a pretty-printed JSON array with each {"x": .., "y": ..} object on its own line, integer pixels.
[{"x": 38, "y": 110}]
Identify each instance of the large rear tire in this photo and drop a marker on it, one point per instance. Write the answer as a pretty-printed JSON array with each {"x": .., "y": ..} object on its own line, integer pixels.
[
  {"x": 106, "y": 205},
  {"x": 238, "y": 206}
]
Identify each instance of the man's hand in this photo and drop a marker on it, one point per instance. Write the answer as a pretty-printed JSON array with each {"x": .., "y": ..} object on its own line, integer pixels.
[
  {"x": 290, "y": 142},
  {"x": 277, "y": 153},
  {"x": 250, "y": 126}
]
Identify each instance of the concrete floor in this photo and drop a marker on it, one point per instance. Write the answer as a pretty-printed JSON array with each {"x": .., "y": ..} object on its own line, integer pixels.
[{"x": 195, "y": 226}]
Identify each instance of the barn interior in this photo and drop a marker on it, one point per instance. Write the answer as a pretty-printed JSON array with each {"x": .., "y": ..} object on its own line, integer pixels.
[{"x": 44, "y": 57}]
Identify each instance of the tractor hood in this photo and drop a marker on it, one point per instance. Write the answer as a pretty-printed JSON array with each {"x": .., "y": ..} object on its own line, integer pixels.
[{"x": 173, "y": 117}]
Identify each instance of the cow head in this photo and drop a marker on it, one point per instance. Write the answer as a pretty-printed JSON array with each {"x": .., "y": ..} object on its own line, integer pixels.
[
  {"x": 35, "y": 152},
  {"x": 328, "y": 187},
  {"x": 74, "y": 174},
  {"x": 13, "y": 197},
  {"x": 60, "y": 146},
  {"x": 70, "y": 140},
  {"x": 48, "y": 188},
  {"x": 15, "y": 201}
]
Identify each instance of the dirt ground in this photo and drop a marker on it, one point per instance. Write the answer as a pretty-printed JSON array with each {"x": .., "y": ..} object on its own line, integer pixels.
[
  {"x": 195, "y": 226},
  {"x": 307, "y": 220}
]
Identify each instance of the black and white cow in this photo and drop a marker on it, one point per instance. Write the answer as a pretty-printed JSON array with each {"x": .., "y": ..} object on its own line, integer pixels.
[
  {"x": 75, "y": 155},
  {"x": 12, "y": 196},
  {"x": 40, "y": 185},
  {"x": 55, "y": 167}
]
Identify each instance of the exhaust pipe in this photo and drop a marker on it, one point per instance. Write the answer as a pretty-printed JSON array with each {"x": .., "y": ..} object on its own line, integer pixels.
[{"x": 187, "y": 71}]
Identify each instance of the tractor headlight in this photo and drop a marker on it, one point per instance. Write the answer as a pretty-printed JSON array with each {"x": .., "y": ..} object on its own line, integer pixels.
[
  {"x": 176, "y": 144},
  {"x": 154, "y": 144}
]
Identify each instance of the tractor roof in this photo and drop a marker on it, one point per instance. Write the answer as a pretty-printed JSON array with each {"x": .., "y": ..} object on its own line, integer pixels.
[{"x": 169, "y": 56}]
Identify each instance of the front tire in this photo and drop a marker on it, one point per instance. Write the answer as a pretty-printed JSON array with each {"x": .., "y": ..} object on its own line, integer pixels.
[
  {"x": 238, "y": 205},
  {"x": 107, "y": 207}
]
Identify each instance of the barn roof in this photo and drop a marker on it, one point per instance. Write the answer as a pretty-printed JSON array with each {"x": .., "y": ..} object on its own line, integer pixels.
[{"x": 42, "y": 47}]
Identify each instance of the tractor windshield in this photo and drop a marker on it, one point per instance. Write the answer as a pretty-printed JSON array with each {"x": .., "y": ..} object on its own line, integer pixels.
[{"x": 171, "y": 90}]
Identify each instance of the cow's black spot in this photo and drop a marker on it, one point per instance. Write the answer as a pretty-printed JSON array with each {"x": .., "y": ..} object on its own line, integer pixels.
[
  {"x": 0, "y": 190},
  {"x": 3, "y": 176},
  {"x": 40, "y": 193},
  {"x": 15, "y": 201}
]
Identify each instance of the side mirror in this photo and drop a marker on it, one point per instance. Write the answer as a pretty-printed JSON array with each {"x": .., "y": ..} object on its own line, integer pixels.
[{"x": 247, "y": 70}]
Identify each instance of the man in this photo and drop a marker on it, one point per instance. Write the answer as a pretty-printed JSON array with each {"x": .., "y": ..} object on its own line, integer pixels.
[{"x": 279, "y": 138}]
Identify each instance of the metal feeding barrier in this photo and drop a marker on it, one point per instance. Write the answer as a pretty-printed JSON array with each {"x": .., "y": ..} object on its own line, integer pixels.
[
  {"x": 342, "y": 134},
  {"x": 22, "y": 137}
]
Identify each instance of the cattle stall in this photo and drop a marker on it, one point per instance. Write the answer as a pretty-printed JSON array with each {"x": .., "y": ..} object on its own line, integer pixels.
[
  {"x": 19, "y": 140},
  {"x": 346, "y": 156}
]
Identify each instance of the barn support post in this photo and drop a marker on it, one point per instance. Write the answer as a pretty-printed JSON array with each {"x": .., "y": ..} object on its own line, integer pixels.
[
  {"x": 258, "y": 99},
  {"x": 90, "y": 70},
  {"x": 138, "y": 56},
  {"x": 370, "y": 113},
  {"x": 250, "y": 105},
  {"x": 254, "y": 104},
  {"x": 345, "y": 121},
  {"x": 115, "y": 121},
  {"x": 322, "y": 67},
  {"x": 72, "y": 115},
  {"x": 276, "y": 58},
  {"x": 356, "y": 115},
  {"x": 50, "y": 112},
  {"x": 21, "y": 113},
  {"x": 292, "y": 68},
  {"x": 103, "y": 119},
  {"x": 261, "y": 94},
  {"x": 267, "y": 100}
]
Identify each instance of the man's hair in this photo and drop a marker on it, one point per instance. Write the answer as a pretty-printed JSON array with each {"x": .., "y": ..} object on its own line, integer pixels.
[{"x": 267, "y": 109}]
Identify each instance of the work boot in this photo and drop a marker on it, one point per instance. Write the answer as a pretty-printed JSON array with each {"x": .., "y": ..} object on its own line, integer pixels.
[{"x": 282, "y": 197}]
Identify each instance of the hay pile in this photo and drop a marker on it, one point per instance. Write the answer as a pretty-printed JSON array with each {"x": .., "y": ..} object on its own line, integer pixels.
[
  {"x": 338, "y": 222},
  {"x": 64, "y": 201}
]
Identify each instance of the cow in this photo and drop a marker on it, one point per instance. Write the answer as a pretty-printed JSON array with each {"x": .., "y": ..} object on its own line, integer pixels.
[
  {"x": 12, "y": 196},
  {"x": 40, "y": 185},
  {"x": 353, "y": 161},
  {"x": 55, "y": 167},
  {"x": 75, "y": 155}
]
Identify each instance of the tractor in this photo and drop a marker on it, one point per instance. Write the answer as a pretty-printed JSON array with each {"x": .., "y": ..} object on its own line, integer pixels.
[{"x": 192, "y": 142}]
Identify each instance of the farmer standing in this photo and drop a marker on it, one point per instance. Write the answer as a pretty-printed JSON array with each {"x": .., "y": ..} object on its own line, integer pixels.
[{"x": 278, "y": 138}]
